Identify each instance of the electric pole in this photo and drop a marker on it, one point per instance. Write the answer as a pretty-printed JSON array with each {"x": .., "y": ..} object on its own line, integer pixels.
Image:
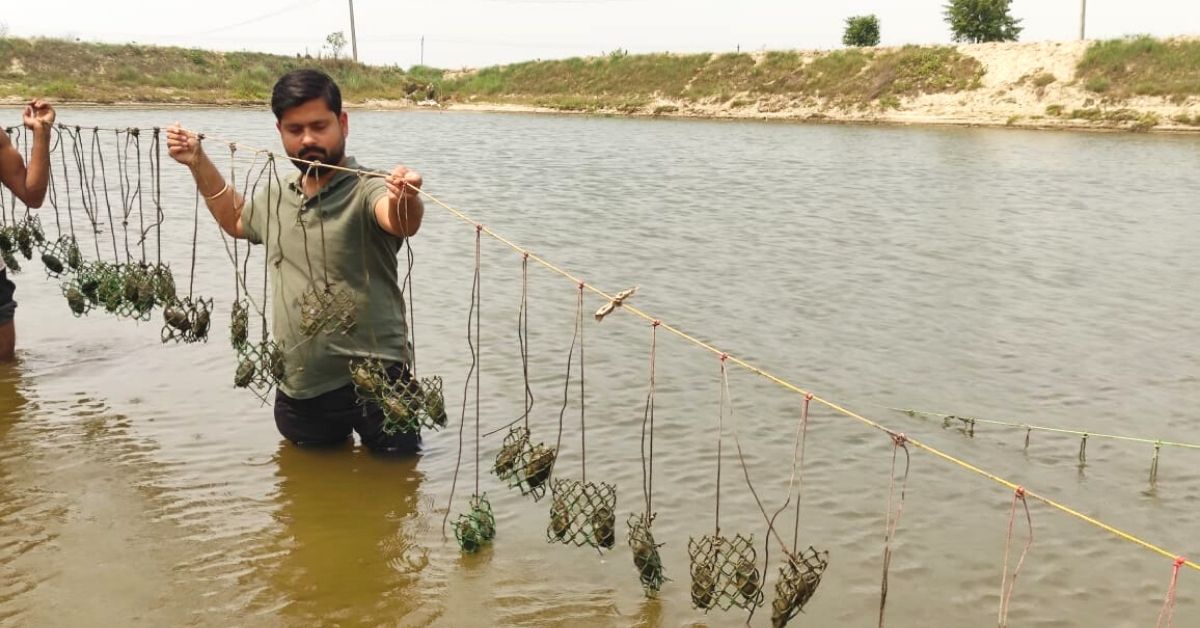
[
  {"x": 422, "y": 50},
  {"x": 353, "y": 35},
  {"x": 1083, "y": 19}
]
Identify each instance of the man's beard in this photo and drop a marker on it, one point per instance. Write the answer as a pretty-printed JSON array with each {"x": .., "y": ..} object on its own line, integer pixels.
[{"x": 319, "y": 154}]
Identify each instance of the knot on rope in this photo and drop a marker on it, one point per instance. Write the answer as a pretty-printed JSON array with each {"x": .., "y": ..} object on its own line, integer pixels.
[
  {"x": 1020, "y": 492},
  {"x": 899, "y": 439},
  {"x": 655, "y": 323},
  {"x": 478, "y": 227},
  {"x": 808, "y": 396},
  {"x": 525, "y": 255},
  {"x": 1180, "y": 561},
  {"x": 614, "y": 303},
  {"x": 724, "y": 357}
]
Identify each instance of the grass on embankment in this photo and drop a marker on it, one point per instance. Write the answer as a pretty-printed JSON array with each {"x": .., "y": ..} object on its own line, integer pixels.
[
  {"x": 629, "y": 82},
  {"x": 1142, "y": 66},
  {"x": 66, "y": 71}
]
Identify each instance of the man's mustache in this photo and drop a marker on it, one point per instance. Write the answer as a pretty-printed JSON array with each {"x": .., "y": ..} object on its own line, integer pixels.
[{"x": 313, "y": 153}]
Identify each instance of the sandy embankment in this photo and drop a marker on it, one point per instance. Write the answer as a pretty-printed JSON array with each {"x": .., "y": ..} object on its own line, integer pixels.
[{"x": 1008, "y": 96}]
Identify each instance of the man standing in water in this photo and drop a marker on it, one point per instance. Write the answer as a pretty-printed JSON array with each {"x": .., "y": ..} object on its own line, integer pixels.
[
  {"x": 29, "y": 185},
  {"x": 324, "y": 225}
]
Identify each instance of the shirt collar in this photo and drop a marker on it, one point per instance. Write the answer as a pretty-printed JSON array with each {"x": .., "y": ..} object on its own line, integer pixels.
[{"x": 338, "y": 177}]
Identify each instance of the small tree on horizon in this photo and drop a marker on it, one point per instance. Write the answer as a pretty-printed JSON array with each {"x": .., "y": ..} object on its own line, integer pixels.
[
  {"x": 336, "y": 41},
  {"x": 978, "y": 21},
  {"x": 862, "y": 31}
]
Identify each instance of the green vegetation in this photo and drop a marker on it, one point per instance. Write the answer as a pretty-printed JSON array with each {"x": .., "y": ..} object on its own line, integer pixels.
[
  {"x": 843, "y": 77},
  {"x": 862, "y": 31},
  {"x": 856, "y": 79},
  {"x": 65, "y": 70},
  {"x": 1142, "y": 66},
  {"x": 1125, "y": 117},
  {"x": 978, "y": 21},
  {"x": 618, "y": 81},
  {"x": 1186, "y": 120}
]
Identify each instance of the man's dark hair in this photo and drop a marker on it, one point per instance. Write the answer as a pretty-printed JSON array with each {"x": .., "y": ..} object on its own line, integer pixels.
[{"x": 300, "y": 86}]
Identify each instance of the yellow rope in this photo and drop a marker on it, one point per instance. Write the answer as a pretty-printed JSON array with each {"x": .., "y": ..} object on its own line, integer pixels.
[
  {"x": 758, "y": 371},
  {"x": 1042, "y": 428}
]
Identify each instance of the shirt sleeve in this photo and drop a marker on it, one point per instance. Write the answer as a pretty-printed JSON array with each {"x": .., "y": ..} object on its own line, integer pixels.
[{"x": 373, "y": 189}]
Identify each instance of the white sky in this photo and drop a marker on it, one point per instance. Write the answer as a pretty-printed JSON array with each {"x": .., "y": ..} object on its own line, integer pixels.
[{"x": 483, "y": 32}]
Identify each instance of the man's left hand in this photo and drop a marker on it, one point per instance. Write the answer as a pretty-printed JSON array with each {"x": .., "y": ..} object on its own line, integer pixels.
[
  {"x": 402, "y": 185},
  {"x": 39, "y": 115}
]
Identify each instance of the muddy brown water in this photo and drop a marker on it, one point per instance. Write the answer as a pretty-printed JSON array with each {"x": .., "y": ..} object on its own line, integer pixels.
[{"x": 1039, "y": 277}]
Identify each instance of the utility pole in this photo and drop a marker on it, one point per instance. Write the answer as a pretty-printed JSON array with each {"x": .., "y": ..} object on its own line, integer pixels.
[
  {"x": 353, "y": 35},
  {"x": 422, "y": 50},
  {"x": 1082, "y": 19}
]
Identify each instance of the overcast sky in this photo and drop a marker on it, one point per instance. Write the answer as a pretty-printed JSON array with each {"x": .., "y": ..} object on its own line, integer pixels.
[{"x": 483, "y": 32}]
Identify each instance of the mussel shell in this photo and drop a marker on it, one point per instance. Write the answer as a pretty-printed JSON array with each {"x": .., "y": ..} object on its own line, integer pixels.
[
  {"x": 200, "y": 326},
  {"x": 703, "y": 587},
  {"x": 74, "y": 258},
  {"x": 276, "y": 363},
  {"x": 245, "y": 373},
  {"x": 176, "y": 317},
  {"x": 560, "y": 523},
  {"x": 603, "y": 524},
  {"x": 53, "y": 264},
  {"x": 539, "y": 467},
  {"x": 76, "y": 300}
]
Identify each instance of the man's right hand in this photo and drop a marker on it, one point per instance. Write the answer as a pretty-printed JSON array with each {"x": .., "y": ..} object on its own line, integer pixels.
[{"x": 183, "y": 145}]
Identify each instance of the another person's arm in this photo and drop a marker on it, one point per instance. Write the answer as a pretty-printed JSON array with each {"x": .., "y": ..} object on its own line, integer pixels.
[
  {"x": 401, "y": 211},
  {"x": 223, "y": 201},
  {"x": 29, "y": 183}
]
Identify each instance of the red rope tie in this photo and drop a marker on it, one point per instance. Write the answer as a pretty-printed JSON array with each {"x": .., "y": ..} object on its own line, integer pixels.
[
  {"x": 1168, "y": 608},
  {"x": 582, "y": 286},
  {"x": 525, "y": 255},
  {"x": 655, "y": 323},
  {"x": 808, "y": 396},
  {"x": 478, "y": 227},
  {"x": 1006, "y": 587},
  {"x": 724, "y": 357},
  {"x": 899, "y": 439}
]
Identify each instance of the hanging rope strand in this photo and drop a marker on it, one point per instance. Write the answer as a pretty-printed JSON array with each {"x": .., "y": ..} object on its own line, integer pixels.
[
  {"x": 582, "y": 396},
  {"x": 1006, "y": 588},
  {"x": 648, "y": 420},
  {"x": 567, "y": 380},
  {"x": 899, "y": 441},
  {"x": 98, "y": 149},
  {"x": 471, "y": 311},
  {"x": 523, "y": 337},
  {"x": 478, "y": 348}
]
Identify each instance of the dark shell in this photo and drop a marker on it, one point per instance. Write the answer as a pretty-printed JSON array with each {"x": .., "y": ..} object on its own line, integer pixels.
[
  {"x": 176, "y": 317},
  {"x": 53, "y": 264},
  {"x": 76, "y": 301},
  {"x": 539, "y": 467},
  {"x": 603, "y": 524},
  {"x": 244, "y": 374}
]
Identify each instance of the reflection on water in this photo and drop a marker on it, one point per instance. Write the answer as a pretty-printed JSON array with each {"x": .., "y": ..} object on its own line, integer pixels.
[{"x": 345, "y": 537}]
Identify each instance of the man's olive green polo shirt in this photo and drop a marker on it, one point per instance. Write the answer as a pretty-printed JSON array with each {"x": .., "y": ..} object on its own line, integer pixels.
[{"x": 332, "y": 237}]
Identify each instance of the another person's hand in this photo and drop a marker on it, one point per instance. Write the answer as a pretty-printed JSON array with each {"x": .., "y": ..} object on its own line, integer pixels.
[
  {"x": 38, "y": 116},
  {"x": 402, "y": 185},
  {"x": 183, "y": 145}
]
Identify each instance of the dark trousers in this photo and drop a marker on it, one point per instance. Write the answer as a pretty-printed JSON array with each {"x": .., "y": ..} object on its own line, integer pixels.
[{"x": 330, "y": 418}]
